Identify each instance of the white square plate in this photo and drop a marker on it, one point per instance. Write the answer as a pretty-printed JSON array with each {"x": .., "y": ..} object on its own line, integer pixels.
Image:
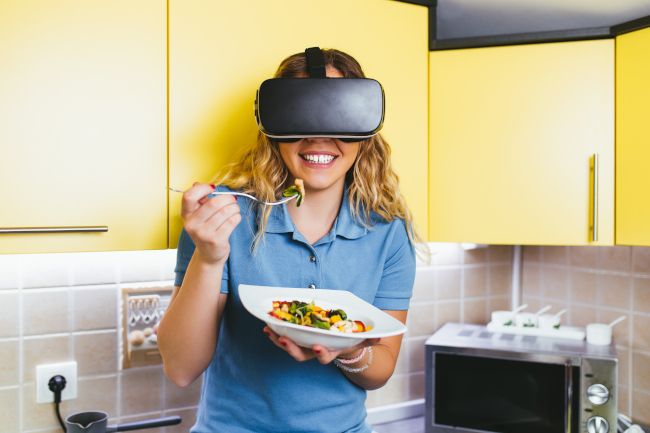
[{"x": 258, "y": 300}]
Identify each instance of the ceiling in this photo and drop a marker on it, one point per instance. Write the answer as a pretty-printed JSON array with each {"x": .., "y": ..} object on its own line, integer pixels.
[{"x": 469, "y": 18}]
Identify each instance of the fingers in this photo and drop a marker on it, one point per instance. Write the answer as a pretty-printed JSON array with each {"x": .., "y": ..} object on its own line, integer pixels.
[
  {"x": 214, "y": 213},
  {"x": 210, "y": 206},
  {"x": 296, "y": 352},
  {"x": 225, "y": 229},
  {"x": 192, "y": 196},
  {"x": 347, "y": 353},
  {"x": 323, "y": 355},
  {"x": 216, "y": 230}
]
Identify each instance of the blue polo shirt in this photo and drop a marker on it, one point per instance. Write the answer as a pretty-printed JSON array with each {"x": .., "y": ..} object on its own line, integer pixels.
[{"x": 252, "y": 386}]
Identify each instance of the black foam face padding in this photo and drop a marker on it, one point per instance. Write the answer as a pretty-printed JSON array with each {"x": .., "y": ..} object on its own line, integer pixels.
[{"x": 327, "y": 107}]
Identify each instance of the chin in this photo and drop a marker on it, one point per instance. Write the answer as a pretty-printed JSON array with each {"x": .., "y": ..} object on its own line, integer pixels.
[{"x": 316, "y": 184}]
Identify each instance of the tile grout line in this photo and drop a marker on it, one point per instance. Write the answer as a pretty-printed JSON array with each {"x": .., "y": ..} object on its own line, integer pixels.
[
  {"x": 630, "y": 361},
  {"x": 21, "y": 359},
  {"x": 71, "y": 324},
  {"x": 462, "y": 288},
  {"x": 120, "y": 347}
]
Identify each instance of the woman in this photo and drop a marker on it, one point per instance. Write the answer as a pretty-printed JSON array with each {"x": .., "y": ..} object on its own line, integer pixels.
[{"x": 352, "y": 232}]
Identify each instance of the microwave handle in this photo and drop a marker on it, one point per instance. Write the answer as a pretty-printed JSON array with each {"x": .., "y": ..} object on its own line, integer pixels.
[{"x": 568, "y": 396}]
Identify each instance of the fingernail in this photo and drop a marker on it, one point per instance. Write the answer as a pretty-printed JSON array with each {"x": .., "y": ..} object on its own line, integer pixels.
[
  {"x": 284, "y": 344},
  {"x": 213, "y": 186},
  {"x": 266, "y": 332},
  {"x": 317, "y": 351}
]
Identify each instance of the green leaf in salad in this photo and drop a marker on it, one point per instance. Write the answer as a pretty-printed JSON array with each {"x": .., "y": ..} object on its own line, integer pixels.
[
  {"x": 297, "y": 189},
  {"x": 317, "y": 323}
]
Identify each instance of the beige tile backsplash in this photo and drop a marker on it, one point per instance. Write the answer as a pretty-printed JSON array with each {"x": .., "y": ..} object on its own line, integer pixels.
[
  {"x": 599, "y": 284},
  {"x": 9, "y": 313},
  {"x": 73, "y": 316},
  {"x": 44, "y": 349},
  {"x": 142, "y": 390},
  {"x": 85, "y": 301},
  {"x": 9, "y": 408},
  {"x": 95, "y": 353},
  {"x": 9, "y": 360},
  {"x": 45, "y": 312}
]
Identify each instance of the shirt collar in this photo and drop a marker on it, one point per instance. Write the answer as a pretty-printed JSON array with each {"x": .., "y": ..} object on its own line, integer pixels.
[{"x": 345, "y": 225}]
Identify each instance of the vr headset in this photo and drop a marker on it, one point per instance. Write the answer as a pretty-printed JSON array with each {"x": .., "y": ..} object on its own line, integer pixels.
[{"x": 349, "y": 109}]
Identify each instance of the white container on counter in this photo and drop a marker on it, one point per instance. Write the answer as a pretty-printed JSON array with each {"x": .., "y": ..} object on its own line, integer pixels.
[
  {"x": 549, "y": 321},
  {"x": 526, "y": 320},
  {"x": 503, "y": 318}
]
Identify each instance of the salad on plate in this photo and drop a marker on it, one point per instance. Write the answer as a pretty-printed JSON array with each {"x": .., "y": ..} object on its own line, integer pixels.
[{"x": 310, "y": 314}]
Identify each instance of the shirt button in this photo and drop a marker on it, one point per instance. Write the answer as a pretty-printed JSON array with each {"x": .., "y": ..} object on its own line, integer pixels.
[
  {"x": 312, "y": 286},
  {"x": 312, "y": 259}
]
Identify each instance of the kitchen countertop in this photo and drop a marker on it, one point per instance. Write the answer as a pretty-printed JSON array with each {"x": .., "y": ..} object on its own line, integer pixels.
[
  {"x": 411, "y": 425},
  {"x": 416, "y": 425}
]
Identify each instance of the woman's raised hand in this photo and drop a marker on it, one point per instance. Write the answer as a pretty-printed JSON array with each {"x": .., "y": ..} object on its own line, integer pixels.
[{"x": 209, "y": 221}]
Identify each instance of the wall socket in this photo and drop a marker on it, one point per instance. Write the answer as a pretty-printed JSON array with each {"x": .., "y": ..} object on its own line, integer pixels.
[{"x": 45, "y": 372}]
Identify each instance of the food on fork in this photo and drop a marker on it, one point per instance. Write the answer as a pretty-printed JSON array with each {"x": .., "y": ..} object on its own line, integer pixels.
[
  {"x": 309, "y": 314},
  {"x": 298, "y": 188}
]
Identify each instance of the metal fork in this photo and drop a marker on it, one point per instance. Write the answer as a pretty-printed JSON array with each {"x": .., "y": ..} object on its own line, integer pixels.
[{"x": 215, "y": 193}]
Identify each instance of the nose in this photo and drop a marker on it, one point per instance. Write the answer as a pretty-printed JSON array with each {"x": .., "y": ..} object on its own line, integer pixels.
[{"x": 319, "y": 139}]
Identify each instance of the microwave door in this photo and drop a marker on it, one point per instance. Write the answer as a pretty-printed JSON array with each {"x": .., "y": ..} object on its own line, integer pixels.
[{"x": 504, "y": 395}]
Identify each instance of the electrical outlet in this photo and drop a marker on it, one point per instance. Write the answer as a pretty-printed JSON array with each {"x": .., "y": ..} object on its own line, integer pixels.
[{"x": 46, "y": 371}]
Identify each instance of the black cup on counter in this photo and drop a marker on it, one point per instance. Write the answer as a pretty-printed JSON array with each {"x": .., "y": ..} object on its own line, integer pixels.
[{"x": 97, "y": 422}]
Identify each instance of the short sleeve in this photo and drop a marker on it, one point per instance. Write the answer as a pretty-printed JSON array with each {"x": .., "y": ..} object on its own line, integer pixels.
[
  {"x": 184, "y": 254},
  {"x": 396, "y": 284}
]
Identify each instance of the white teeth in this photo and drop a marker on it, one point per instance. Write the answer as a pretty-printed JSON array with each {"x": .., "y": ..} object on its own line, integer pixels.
[{"x": 319, "y": 159}]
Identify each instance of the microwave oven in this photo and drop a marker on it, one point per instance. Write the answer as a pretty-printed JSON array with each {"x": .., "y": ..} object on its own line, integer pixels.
[{"x": 493, "y": 382}]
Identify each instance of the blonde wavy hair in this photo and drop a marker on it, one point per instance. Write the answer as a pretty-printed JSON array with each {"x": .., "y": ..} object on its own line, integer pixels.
[{"x": 373, "y": 185}]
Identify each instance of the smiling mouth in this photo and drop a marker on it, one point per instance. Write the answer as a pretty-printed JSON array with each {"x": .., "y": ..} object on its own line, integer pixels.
[{"x": 318, "y": 159}]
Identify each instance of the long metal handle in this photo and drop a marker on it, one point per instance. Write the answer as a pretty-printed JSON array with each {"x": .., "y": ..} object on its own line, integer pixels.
[
  {"x": 80, "y": 229},
  {"x": 568, "y": 396},
  {"x": 594, "y": 216},
  {"x": 137, "y": 425}
]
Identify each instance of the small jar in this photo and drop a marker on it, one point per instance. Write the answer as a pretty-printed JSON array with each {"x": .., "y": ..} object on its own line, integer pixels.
[
  {"x": 526, "y": 320},
  {"x": 503, "y": 318},
  {"x": 549, "y": 321}
]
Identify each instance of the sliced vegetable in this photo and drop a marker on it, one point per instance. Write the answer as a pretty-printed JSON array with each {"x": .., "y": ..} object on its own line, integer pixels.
[
  {"x": 309, "y": 314},
  {"x": 298, "y": 188}
]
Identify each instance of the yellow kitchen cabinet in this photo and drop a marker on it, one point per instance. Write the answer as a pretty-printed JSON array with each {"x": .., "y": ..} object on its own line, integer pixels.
[
  {"x": 82, "y": 125},
  {"x": 633, "y": 138},
  {"x": 219, "y": 53},
  {"x": 515, "y": 133}
]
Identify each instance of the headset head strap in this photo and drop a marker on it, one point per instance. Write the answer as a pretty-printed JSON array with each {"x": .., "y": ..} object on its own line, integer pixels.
[{"x": 315, "y": 62}]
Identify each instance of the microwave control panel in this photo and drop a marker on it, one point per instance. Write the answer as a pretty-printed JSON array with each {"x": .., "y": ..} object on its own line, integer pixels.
[{"x": 599, "y": 400}]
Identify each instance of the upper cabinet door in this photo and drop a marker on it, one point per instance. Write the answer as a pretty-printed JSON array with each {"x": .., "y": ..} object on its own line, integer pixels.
[
  {"x": 220, "y": 52},
  {"x": 515, "y": 133},
  {"x": 633, "y": 138},
  {"x": 82, "y": 125}
]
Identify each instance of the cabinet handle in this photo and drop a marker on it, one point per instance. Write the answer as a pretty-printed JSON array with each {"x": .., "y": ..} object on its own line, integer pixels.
[
  {"x": 82, "y": 229},
  {"x": 594, "y": 216}
]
